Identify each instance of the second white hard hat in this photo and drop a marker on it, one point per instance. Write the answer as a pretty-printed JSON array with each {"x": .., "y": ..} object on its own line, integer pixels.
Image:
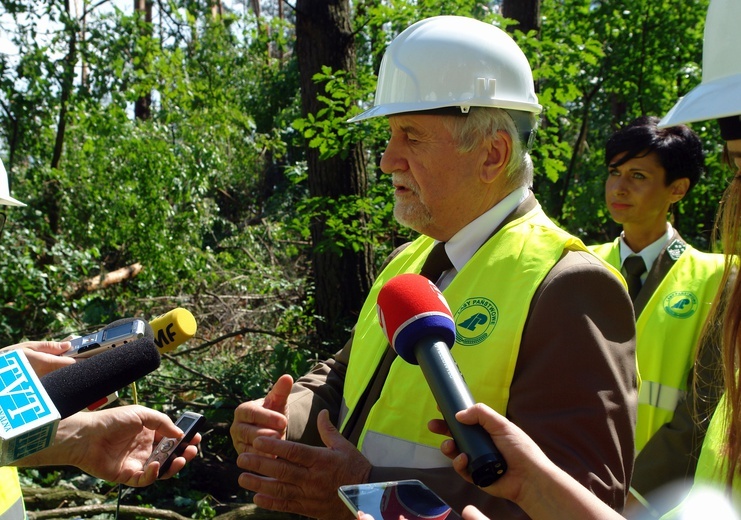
[
  {"x": 719, "y": 93},
  {"x": 5, "y": 198},
  {"x": 452, "y": 61}
]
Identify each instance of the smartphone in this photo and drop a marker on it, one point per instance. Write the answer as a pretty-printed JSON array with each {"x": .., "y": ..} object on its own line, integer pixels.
[
  {"x": 408, "y": 499},
  {"x": 108, "y": 337},
  {"x": 169, "y": 448}
]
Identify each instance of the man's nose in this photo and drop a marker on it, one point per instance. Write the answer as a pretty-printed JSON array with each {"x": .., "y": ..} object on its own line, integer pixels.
[{"x": 392, "y": 159}]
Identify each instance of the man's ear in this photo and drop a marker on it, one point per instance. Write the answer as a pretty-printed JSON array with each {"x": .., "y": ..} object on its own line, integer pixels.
[
  {"x": 679, "y": 189},
  {"x": 498, "y": 154}
]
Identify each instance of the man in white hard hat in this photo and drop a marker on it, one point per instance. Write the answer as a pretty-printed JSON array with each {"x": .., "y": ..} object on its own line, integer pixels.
[
  {"x": 111, "y": 444},
  {"x": 544, "y": 330}
]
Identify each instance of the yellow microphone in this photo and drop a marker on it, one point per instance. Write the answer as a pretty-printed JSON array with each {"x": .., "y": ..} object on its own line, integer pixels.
[{"x": 172, "y": 329}]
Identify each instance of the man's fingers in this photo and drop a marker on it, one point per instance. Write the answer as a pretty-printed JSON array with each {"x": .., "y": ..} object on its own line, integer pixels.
[
  {"x": 329, "y": 434},
  {"x": 294, "y": 452},
  {"x": 279, "y": 496},
  {"x": 267, "y": 478},
  {"x": 277, "y": 397}
]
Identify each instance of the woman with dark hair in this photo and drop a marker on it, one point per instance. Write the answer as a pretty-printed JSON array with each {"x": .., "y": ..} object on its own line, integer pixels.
[{"x": 672, "y": 286}]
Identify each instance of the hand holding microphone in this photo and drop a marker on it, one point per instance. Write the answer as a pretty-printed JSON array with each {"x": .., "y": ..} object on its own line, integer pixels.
[
  {"x": 168, "y": 331},
  {"x": 419, "y": 326},
  {"x": 44, "y": 356},
  {"x": 31, "y": 408}
]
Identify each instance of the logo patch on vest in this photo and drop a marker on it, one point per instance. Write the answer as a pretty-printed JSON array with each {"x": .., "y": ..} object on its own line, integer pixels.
[
  {"x": 675, "y": 249},
  {"x": 681, "y": 304},
  {"x": 475, "y": 320}
]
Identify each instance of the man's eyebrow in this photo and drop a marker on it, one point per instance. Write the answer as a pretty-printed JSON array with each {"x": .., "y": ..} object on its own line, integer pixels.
[{"x": 407, "y": 128}]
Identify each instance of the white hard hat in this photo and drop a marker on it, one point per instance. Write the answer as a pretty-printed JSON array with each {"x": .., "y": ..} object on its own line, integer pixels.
[
  {"x": 452, "y": 61},
  {"x": 719, "y": 93},
  {"x": 5, "y": 197}
]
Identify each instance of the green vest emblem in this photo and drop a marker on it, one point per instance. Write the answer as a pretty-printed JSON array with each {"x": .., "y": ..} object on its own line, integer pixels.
[
  {"x": 475, "y": 320},
  {"x": 681, "y": 304},
  {"x": 675, "y": 249}
]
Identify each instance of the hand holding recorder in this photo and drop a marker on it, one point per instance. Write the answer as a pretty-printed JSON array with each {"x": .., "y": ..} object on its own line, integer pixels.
[{"x": 116, "y": 445}]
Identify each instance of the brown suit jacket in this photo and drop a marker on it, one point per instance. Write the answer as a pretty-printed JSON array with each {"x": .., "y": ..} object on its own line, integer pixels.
[{"x": 573, "y": 392}]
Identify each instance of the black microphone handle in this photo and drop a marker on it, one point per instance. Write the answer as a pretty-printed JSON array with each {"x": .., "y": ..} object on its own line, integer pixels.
[{"x": 452, "y": 395}]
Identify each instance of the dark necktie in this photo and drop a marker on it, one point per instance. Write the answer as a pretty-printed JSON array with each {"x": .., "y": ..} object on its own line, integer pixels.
[
  {"x": 436, "y": 263},
  {"x": 634, "y": 267}
]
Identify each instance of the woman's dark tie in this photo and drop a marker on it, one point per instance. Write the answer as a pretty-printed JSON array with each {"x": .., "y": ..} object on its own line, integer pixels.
[{"x": 634, "y": 267}]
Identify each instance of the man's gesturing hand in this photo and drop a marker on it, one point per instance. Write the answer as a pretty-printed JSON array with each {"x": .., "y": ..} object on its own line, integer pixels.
[
  {"x": 302, "y": 479},
  {"x": 266, "y": 417}
]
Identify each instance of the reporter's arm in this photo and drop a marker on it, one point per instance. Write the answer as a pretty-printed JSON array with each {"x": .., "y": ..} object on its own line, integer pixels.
[
  {"x": 532, "y": 481},
  {"x": 113, "y": 444}
]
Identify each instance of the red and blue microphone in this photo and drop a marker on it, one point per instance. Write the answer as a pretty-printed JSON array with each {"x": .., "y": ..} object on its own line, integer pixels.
[{"x": 419, "y": 326}]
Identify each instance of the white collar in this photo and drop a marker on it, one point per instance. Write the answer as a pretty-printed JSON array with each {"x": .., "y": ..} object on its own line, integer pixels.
[
  {"x": 649, "y": 253},
  {"x": 464, "y": 244}
]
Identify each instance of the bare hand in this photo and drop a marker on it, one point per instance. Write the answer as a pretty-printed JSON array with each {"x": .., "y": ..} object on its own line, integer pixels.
[
  {"x": 297, "y": 478},
  {"x": 114, "y": 444},
  {"x": 512, "y": 442},
  {"x": 44, "y": 356},
  {"x": 266, "y": 417}
]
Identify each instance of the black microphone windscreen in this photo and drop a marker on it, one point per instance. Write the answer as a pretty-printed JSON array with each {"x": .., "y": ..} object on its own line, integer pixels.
[{"x": 77, "y": 386}]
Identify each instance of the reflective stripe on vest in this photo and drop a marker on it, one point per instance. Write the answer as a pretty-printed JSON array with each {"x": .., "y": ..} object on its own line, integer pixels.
[
  {"x": 490, "y": 299},
  {"x": 11, "y": 497},
  {"x": 668, "y": 331},
  {"x": 388, "y": 450},
  {"x": 660, "y": 396}
]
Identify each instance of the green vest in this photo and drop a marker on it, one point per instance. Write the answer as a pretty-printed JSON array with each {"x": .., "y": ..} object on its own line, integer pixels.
[
  {"x": 11, "y": 498},
  {"x": 490, "y": 300},
  {"x": 668, "y": 331}
]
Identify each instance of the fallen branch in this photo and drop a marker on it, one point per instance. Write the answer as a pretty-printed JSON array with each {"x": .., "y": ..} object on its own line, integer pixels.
[
  {"x": 100, "y": 509},
  {"x": 104, "y": 280}
]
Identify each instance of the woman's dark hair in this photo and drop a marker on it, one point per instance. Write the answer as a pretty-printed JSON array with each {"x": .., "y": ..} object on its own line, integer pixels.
[{"x": 678, "y": 148}]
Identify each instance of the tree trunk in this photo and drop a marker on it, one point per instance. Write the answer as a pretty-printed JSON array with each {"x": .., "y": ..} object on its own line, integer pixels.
[
  {"x": 143, "y": 105},
  {"x": 526, "y": 12},
  {"x": 51, "y": 190},
  {"x": 324, "y": 38}
]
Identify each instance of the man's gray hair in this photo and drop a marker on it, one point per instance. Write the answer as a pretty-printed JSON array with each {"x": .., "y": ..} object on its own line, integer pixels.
[{"x": 482, "y": 122}]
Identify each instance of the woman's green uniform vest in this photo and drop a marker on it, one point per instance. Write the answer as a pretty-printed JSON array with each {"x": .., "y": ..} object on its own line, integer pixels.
[
  {"x": 490, "y": 299},
  {"x": 668, "y": 331},
  {"x": 11, "y": 498}
]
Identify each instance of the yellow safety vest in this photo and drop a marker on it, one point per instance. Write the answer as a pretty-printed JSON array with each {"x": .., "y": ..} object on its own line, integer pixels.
[
  {"x": 708, "y": 493},
  {"x": 668, "y": 331},
  {"x": 490, "y": 299},
  {"x": 11, "y": 498}
]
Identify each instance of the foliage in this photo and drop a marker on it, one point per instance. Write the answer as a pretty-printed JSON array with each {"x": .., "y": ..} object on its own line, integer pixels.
[{"x": 210, "y": 194}]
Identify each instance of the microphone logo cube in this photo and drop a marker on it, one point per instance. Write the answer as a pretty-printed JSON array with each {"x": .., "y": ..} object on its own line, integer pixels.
[{"x": 28, "y": 418}]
